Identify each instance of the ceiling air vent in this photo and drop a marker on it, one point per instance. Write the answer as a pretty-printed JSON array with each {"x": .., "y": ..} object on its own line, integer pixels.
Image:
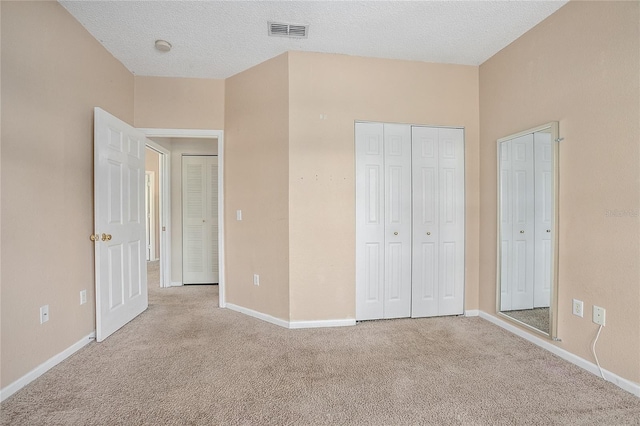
[{"x": 278, "y": 29}]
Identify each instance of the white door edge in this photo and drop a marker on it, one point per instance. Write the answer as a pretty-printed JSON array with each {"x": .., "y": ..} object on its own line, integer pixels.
[
  {"x": 200, "y": 133},
  {"x": 165, "y": 212}
]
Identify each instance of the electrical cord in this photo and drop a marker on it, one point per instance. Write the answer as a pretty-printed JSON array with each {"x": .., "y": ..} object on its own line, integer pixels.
[{"x": 593, "y": 350}]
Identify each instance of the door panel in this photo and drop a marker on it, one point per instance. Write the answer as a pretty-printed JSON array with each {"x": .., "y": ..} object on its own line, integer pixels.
[
  {"x": 397, "y": 158},
  {"x": 506, "y": 227},
  {"x": 121, "y": 275},
  {"x": 523, "y": 225},
  {"x": 438, "y": 220},
  {"x": 369, "y": 221},
  {"x": 200, "y": 219},
  {"x": 543, "y": 199},
  {"x": 451, "y": 225},
  {"x": 426, "y": 216}
]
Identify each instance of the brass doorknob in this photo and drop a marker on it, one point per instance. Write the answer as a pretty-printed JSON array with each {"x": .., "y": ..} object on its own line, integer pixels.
[
  {"x": 522, "y": 232},
  {"x": 395, "y": 233},
  {"x": 428, "y": 233},
  {"x": 94, "y": 237},
  {"x": 106, "y": 237}
]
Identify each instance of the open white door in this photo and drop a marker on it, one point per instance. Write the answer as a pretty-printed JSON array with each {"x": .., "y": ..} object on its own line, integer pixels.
[{"x": 121, "y": 273}]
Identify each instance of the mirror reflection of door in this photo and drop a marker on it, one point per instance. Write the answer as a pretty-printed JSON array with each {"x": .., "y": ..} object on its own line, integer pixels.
[
  {"x": 526, "y": 201},
  {"x": 200, "y": 219}
]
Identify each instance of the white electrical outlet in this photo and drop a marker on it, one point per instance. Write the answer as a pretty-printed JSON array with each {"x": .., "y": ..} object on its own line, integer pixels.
[
  {"x": 598, "y": 314},
  {"x": 44, "y": 314},
  {"x": 238, "y": 214},
  {"x": 83, "y": 297},
  {"x": 256, "y": 279},
  {"x": 578, "y": 308}
]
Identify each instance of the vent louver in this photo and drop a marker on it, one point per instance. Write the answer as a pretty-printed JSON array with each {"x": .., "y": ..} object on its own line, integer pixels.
[{"x": 279, "y": 29}]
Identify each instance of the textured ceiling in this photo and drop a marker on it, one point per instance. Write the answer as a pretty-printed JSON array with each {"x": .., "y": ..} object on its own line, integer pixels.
[{"x": 217, "y": 39}]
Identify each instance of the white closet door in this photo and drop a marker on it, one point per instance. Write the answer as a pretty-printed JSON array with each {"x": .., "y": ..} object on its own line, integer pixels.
[
  {"x": 523, "y": 224},
  {"x": 506, "y": 226},
  {"x": 543, "y": 200},
  {"x": 451, "y": 231},
  {"x": 370, "y": 224},
  {"x": 199, "y": 220},
  {"x": 438, "y": 221},
  {"x": 212, "y": 219},
  {"x": 397, "y": 149},
  {"x": 426, "y": 213},
  {"x": 409, "y": 241}
]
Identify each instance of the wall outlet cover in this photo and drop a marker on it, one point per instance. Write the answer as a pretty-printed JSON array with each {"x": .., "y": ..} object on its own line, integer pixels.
[
  {"x": 599, "y": 315},
  {"x": 44, "y": 314},
  {"x": 578, "y": 308}
]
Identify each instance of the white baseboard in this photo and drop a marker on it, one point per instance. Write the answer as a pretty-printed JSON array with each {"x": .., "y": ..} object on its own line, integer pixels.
[
  {"x": 291, "y": 324},
  {"x": 259, "y": 315},
  {"x": 45, "y": 366},
  {"x": 176, "y": 283},
  {"x": 471, "y": 313},
  {"x": 592, "y": 368},
  {"x": 322, "y": 323}
]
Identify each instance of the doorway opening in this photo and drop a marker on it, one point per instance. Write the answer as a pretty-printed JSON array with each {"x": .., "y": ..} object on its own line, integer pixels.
[
  {"x": 158, "y": 248},
  {"x": 173, "y": 144}
]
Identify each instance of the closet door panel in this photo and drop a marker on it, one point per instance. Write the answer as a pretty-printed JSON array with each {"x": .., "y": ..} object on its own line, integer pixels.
[
  {"x": 397, "y": 161},
  {"x": 506, "y": 227},
  {"x": 370, "y": 224},
  {"x": 543, "y": 199},
  {"x": 451, "y": 225},
  {"x": 426, "y": 212},
  {"x": 523, "y": 224},
  {"x": 194, "y": 251}
]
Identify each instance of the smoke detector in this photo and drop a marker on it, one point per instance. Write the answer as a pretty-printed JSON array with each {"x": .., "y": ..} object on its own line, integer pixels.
[{"x": 163, "y": 45}]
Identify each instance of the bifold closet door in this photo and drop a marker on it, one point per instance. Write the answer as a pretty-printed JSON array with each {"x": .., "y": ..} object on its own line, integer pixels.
[
  {"x": 542, "y": 201},
  {"x": 438, "y": 221},
  {"x": 517, "y": 228},
  {"x": 200, "y": 219},
  {"x": 383, "y": 220}
]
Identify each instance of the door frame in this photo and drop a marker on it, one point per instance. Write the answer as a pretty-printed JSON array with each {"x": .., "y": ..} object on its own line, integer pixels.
[
  {"x": 166, "y": 190},
  {"x": 150, "y": 199},
  {"x": 164, "y": 202}
]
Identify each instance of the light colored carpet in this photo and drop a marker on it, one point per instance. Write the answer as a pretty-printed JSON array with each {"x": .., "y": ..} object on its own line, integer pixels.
[
  {"x": 536, "y": 318},
  {"x": 185, "y": 361}
]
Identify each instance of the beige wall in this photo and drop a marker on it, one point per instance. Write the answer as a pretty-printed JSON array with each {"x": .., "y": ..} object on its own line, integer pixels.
[
  {"x": 179, "y": 103},
  {"x": 53, "y": 74},
  {"x": 178, "y": 147},
  {"x": 152, "y": 164},
  {"x": 580, "y": 67},
  {"x": 256, "y": 182},
  {"x": 322, "y": 162}
]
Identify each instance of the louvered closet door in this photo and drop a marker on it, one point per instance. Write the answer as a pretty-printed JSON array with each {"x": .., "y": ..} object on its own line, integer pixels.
[
  {"x": 438, "y": 221},
  {"x": 199, "y": 219}
]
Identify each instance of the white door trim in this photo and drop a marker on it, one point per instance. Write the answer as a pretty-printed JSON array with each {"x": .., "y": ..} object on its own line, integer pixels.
[
  {"x": 196, "y": 133},
  {"x": 165, "y": 211},
  {"x": 150, "y": 211}
]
